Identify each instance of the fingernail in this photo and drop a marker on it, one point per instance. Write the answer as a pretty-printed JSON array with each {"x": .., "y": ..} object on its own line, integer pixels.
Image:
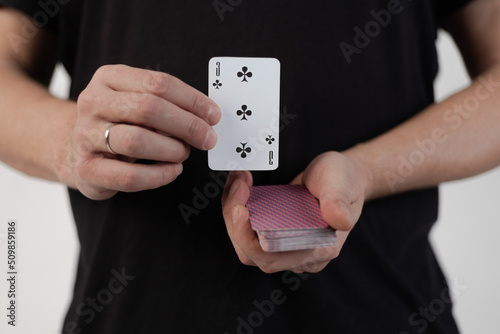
[
  {"x": 234, "y": 187},
  {"x": 236, "y": 214},
  {"x": 210, "y": 140},
  {"x": 214, "y": 114}
]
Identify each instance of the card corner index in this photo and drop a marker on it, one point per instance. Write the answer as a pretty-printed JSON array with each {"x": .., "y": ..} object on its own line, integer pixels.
[{"x": 211, "y": 60}]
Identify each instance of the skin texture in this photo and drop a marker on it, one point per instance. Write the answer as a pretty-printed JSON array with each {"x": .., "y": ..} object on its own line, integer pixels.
[
  {"x": 156, "y": 117},
  {"x": 160, "y": 112},
  {"x": 458, "y": 147}
]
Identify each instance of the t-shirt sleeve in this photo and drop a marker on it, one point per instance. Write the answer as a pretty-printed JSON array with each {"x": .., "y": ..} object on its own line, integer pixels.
[{"x": 43, "y": 13}]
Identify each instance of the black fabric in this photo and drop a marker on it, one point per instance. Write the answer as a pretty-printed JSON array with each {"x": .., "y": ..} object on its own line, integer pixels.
[
  {"x": 187, "y": 276},
  {"x": 44, "y": 13}
]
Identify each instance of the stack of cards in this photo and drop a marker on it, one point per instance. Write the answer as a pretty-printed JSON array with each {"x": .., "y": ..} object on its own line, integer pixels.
[
  {"x": 288, "y": 217},
  {"x": 247, "y": 90}
]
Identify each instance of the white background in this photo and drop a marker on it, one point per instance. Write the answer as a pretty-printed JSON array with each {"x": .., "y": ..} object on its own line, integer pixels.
[{"x": 465, "y": 237}]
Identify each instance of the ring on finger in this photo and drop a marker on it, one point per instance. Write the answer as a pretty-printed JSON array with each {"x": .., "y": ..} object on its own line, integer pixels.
[{"x": 106, "y": 139}]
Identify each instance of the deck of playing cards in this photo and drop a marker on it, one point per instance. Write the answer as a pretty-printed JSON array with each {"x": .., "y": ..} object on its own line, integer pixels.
[
  {"x": 288, "y": 217},
  {"x": 248, "y": 91}
]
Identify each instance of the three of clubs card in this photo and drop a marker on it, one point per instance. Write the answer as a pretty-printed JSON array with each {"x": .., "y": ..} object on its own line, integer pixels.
[{"x": 247, "y": 90}]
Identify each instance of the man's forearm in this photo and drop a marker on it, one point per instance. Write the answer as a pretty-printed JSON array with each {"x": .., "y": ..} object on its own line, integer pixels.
[
  {"x": 35, "y": 127},
  {"x": 454, "y": 139}
]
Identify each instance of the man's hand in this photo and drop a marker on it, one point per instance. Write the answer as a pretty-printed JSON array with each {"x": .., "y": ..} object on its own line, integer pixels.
[
  {"x": 339, "y": 184},
  {"x": 154, "y": 116}
]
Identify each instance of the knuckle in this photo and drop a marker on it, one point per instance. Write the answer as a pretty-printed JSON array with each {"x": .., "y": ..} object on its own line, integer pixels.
[
  {"x": 88, "y": 102},
  {"x": 85, "y": 138},
  {"x": 83, "y": 145},
  {"x": 198, "y": 102},
  {"x": 344, "y": 224},
  {"x": 122, "y": 102},
  {"x": 267, "y": 269},
  {"x": 79, "y": 135},
  {"x": 332, "y": 254},
  {"x": 158, "y": 83},
  {"x": 195, "y": 130},
  {"x": 180, "y": 152},
  {"x": 314, "y": 269},
  {"x": 102, "y": 72},
  {"x": 326, "y": 253},
  {"x": 146, "y": 108},
  {"x": 244, "y": 259},
  {"x": 83, "y": 169},
  {"x": 131, "y": 141},
  {"x": 85, "y": 99},
  {"x": 242, "y": 256},
  {"x": 177, "y": 156},
  {"x": 312, "y": 265},
  {"x": 128, "y": 179}
]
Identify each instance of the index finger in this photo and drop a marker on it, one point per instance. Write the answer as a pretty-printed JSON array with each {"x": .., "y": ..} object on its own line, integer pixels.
[{"x": 129, "y": 79}]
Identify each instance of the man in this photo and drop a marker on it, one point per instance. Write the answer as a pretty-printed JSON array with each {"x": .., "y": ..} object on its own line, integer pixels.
[{"x": 359, "y": 129}]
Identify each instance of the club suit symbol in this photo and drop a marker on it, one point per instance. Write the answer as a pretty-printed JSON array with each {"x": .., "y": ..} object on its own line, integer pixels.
[
  {"x": 244, "y": 111},
  {"x": 243, "y": 150},
  {"x": 244, "y": 74}
]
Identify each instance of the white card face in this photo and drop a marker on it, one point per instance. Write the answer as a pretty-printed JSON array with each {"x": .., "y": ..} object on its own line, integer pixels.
[{"x": 248, "y": 91}]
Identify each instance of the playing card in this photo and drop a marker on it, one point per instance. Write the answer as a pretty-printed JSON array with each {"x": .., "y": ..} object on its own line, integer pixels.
[
  {"x": 288, "y": 217},
  {"x": 247, "y": 90}
]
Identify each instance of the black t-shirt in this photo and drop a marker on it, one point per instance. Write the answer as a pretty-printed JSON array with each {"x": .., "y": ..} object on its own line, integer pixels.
[{"x": 160, "y": 261}]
